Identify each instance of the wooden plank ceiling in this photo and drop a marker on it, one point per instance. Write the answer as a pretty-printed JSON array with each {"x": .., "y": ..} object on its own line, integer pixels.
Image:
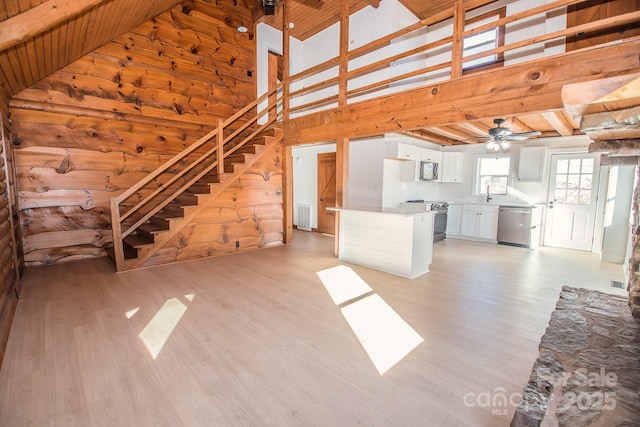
[{"x": 65, "y": 30}]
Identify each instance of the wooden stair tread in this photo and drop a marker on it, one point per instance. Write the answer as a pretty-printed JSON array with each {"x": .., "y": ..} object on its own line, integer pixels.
[
  {"x": 128, "y": 253},
  {"x": 151, "y": 228},
  {"x": 137, "y": 240}
]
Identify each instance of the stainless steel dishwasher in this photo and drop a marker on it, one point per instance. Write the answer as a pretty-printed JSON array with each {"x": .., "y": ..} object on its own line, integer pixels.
[{"x": 516, "y": 226}]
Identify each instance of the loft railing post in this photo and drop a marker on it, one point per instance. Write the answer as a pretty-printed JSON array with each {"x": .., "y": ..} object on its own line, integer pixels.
[
  {"x": 220, "y": 151},
  {"x": 116, "y": 229},
  {"x": 457, "y": 49},
  {"x": 286, "y": 57}
]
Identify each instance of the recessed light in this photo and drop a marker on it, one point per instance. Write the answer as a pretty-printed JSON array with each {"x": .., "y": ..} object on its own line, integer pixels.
[
  {"x": 242, "y": 29},
  {"x": 291, "y": 25}
]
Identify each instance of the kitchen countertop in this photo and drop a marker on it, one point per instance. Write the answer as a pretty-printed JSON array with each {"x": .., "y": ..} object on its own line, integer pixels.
[
  {"x": 386, "y": 211},
  {"x": 505, "y": 204}
]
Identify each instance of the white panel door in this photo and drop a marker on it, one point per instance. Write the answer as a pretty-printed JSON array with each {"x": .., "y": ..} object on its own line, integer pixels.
[{"x": 572, "y": 200}]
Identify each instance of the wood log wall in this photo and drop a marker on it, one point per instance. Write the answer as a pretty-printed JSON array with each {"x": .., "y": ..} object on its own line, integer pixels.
[
  {"x": 91, "y": 130},
  {"x": 9, "y": 282}
]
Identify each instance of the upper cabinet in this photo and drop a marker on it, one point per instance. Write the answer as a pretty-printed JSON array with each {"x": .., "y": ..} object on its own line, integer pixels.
[
  {"x": 451, "y": 166},
  {"x": 532, "y": 163},
  {"x": 449, "y": 163},
  {"x": 408, "y": 152}
]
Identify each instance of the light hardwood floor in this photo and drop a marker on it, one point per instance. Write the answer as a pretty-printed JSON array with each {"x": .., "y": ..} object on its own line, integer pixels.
[{"x": 261, "y": 343}]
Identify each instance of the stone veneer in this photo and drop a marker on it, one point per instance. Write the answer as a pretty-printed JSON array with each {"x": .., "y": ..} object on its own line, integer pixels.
[
  {"x": 633, "y": 276},
  {"x": 588, "y": 370}
]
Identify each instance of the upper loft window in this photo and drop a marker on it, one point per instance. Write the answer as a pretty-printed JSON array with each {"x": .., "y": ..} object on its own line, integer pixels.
[{"x": 484, "y": 41}]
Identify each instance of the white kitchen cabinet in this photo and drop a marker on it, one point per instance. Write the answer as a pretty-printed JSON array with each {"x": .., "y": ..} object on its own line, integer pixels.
[
  {"x": 408, "y": 152},
  {"x": 454, "y": 218},
  {"x": 531, "y": 166},
  {"x": 451, "y": 167},
  {"x": 479, "y": 222}
]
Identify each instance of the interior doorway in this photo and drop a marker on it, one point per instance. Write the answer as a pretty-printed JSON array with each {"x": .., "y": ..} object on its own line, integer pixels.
[
  {"x": 326, "y": 192},
  {"x": 274, "y": 70}
]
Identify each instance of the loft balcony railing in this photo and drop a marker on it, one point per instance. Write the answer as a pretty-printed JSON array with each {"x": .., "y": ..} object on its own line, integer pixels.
[{"x": 318, "y": 88}]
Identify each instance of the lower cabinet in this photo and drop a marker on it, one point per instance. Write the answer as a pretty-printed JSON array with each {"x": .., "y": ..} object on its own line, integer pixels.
[{"x": 479, "y": 222}]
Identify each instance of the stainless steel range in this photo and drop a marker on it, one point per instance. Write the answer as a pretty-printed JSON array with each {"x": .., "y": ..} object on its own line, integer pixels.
[{"x": 440, "y": 218}]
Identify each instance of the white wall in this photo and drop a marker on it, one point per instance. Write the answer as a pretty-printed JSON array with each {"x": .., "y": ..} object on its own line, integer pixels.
[
  {"x": 617, "y": 212},
  {"x": 305, "y": 178}
]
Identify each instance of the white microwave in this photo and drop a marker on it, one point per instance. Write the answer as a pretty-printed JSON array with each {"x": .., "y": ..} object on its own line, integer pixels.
[{"x": 428, "y": 171}]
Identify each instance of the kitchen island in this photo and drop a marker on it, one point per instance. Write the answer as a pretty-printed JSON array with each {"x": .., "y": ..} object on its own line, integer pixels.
[{"x": 394, "y": 240}]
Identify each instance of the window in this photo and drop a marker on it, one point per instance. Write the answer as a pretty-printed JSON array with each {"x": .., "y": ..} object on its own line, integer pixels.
[
  {"x": 484, "y": 41},
  {"x": 493, "y": 174},
  {"x": 574, "y": 180}
]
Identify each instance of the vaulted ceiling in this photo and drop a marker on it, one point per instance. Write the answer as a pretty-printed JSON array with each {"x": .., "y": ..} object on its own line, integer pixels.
[{"x": 39, "y": 37}]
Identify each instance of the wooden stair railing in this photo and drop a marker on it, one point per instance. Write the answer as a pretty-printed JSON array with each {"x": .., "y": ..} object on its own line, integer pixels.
[{"x": 146, "y": 215}]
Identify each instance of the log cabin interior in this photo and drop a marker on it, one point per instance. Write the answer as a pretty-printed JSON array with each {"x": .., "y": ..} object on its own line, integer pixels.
[{"x": 137, "y": 136}]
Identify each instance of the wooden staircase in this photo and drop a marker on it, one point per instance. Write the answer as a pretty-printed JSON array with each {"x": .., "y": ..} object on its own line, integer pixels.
[
  {"x": 144, "y": 241},
  {"x": 148, "y": 215}
]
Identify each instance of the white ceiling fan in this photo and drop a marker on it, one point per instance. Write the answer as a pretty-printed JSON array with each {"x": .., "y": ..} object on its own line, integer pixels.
[{"x": 499, "y": 139}]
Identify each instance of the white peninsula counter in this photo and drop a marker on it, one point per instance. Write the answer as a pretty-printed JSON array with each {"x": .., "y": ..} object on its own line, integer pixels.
[{"x": 397, "y": 241}]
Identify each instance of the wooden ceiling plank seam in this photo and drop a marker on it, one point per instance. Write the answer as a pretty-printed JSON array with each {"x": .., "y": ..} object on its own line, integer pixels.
[
  {"x": 16, "y": 69},
  {"x": 69, "y": 38},
  {"x": 12, "y": 7},
  {"x": 89, "y": 31},
  {"x": 557, "y": 121},
  {"x": 3, "y": 11},
  {"x": 9, "y": 75},
  {"x": 36, "y": 20},
  {"x": 41, "y": 57},
  {"x": 94, "y": 40},
  {"x": 80, "y": 41},
  {"x": 54, "y": 56},
  {"x": 62, "y": 46},
  {"x": 30, "y": 50}
]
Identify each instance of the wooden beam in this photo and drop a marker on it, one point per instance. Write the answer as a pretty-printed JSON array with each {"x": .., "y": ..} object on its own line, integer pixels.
[
  {"x": 343, "y": 62},
  {"x": 287, "y": 198},
  {"x": 451, "y": 133},
  {"x": 39, "y": 19},
  {"x": 557, "y": 121},
  {"x": 621, "y": 147},
  {"x": 374, "y": 3},
  {"x": 477, "y": 129},
  {"x": 600, "y": 95},
  {"x": 458, "y": 39},
  {"x": 622, "y": 124},
  {"x": 516, "y": 89},
  {"x": 620, "y": 119},
  {"x": 425, "y": 135},
  {"x": 607, "y": 160}
]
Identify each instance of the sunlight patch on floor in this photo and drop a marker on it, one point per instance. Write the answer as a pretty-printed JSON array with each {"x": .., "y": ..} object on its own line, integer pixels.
[
  {"x": 159, "y": 329},
  {"x": 384, "y": 335}
]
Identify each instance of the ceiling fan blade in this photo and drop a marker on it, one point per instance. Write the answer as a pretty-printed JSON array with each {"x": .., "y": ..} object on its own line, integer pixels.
[{"x": 521, "y": 136}]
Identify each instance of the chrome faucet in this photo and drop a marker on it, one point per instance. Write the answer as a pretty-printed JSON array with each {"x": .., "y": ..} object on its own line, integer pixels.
[{"x": 488, "y": 196}]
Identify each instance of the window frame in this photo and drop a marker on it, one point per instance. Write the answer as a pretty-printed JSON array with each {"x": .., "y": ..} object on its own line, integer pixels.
[
  {"x": 478, "y": 190},
  {"x": 499, "y": 57}
]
